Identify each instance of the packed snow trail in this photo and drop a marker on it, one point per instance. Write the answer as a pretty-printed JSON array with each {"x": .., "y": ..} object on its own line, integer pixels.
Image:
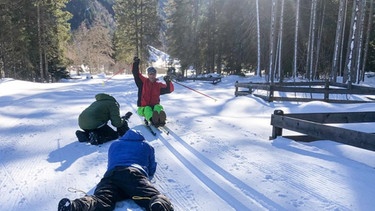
[
  {"x": 170, "y": 151},
  {"x": 253, "y": 199},
  {"x": 223, "y": 184},
  {"x": 211, "y": 175}
]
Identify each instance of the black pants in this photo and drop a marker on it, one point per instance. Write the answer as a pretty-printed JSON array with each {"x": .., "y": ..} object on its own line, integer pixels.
[
  {"x": 104, "y": 134},
  {"x": 120, "y": 184}
]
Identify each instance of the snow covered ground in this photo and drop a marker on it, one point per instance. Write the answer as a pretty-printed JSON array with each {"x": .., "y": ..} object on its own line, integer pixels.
[{"x": 217, "y": 157}]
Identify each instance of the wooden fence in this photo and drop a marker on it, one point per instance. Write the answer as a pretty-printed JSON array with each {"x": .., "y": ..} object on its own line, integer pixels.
[
  {"x": 213, "y": 80},
  {"x": 325, "y": 89},
  {"x": 314, "y": 127}
]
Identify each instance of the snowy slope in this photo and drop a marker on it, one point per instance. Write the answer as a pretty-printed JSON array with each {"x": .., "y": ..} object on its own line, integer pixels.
[{"x": 217, "y": 157}]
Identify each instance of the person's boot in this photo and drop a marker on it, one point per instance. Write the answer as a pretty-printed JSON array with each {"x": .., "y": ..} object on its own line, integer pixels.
[
  {"x": 155, "y": 119},
  {"x": 82, "y": 136},
  {"x": 93, "y": 138},
  {"x": 122, "y": 130},
  {"x": 157, "y": 206},
  {"x": 162, "y": 118},
  {"x": 160, "y": 203},
  {"x": 128, "y": 115},
  {"x": 65, "y": 205}
]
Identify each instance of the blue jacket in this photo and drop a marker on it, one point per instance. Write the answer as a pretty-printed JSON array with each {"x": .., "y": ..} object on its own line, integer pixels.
[{"x": 132, "y": 150}]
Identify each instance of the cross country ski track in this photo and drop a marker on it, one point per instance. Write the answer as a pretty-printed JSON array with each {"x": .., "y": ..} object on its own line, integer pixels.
[
  {"x": 219, "y": 182},
  {"x": 232, "y": 191}
]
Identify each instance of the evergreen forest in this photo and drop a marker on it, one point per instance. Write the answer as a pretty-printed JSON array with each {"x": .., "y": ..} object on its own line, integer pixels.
[{"x": 317, "y": 39}]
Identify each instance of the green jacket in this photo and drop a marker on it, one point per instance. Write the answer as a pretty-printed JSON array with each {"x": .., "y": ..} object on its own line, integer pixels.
[{"x": 105, "y": 108}]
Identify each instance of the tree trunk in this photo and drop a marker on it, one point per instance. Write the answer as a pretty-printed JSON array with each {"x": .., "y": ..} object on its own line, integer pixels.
[
  {"x": 40, "y": 44},
  {"x": 360, "y": 41},
  {"x": 272, "y": 40},
  {"x": 47, "y": 73},
  {"x": 338, "y": 40},
  {"x": 280, "y": 47},
  {"x": 258, "y": 39},
  {"x": 352, "y": 41},
  {"x": 296, "y": 41},
  {"x": 312, "y": 51},
  {"x": 308, "y": 70},
  {"x": 342, "y": 59},
  {"x": 319, "y": 41},
  {"x": 368, "y": 33}
]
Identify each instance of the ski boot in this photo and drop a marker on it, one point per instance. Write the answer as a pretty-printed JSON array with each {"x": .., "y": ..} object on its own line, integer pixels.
[
  {"x": 82, "y": 136},
  {"x": 162, "y": 118},
  {"x": 65, "y": 205}
]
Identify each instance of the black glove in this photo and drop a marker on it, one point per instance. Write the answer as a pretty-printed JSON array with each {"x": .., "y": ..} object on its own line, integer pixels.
[
  {"x": 127, "y": 115},
  {"x": 136, "y": 60},
  {"x": 122, "y": 130},
  {"x": 167, "y": 78}
]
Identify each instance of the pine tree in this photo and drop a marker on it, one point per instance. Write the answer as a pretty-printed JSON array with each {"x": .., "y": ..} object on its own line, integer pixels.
[
  {"x": 54, "y": 35},
  {"x": 138, "y": 26},
  {"x": 14, "y": 40},
  {"x": 180, "y": 33}
]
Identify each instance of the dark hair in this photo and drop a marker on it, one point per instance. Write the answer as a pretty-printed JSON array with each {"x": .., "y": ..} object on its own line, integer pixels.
[{"x": 151, "y": 70}]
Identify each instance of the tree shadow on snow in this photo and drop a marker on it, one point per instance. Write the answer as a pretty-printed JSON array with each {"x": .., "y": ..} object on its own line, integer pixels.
[{"x": 68, "y": 154}]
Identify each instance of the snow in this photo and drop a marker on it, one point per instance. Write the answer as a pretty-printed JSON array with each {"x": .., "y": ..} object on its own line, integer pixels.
[{"x": 217, "y": 157}]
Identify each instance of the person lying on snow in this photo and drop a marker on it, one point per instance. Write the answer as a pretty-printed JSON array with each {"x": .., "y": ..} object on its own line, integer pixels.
[
  {"x": 131, "y": 166},
  {"x": 149, "y": 91},
  {"x": 93, "y": 121}
]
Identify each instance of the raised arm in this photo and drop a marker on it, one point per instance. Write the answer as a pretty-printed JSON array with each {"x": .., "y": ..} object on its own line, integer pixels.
[
  {"x": 169, "y": 88},
  {"x": 135, "y": 72}
]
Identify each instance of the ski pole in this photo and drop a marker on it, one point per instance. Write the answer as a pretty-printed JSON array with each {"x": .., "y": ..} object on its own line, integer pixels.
[
  {"x": 194, "y": 90},
  {"x": 112, "y": 76}
]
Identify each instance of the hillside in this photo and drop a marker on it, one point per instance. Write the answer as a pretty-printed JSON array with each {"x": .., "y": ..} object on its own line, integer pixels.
[{"x": 86, "y": 11}]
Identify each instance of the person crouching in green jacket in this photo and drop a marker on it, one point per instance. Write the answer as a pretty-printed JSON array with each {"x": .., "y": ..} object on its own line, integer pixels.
[{"x": 93, "y": 121}]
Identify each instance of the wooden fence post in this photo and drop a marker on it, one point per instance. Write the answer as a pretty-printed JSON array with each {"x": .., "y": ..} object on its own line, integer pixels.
[
  {"x": 270, "y": 99},
  {"x": 276, "y": 131},
  {"x": 326, "y": 91},
  {"x": 235, "y": 92}
]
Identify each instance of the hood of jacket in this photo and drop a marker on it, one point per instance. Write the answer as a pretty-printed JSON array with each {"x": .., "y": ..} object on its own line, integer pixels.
[
  {"x": 132, "y": 135},
  {"x": 103, "y": 96}
]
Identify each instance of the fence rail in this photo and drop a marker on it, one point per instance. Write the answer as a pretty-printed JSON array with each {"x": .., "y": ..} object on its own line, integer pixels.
[
  {"x": 319, "y": 87},
  {"x": 213, "y": 80},
  {"x": 314, "y": 127}
]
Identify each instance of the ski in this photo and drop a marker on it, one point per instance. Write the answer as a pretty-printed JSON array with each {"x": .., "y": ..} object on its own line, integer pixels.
[
  {"x": 164, "y": 129},
  {"x": 150, "y": 129}
]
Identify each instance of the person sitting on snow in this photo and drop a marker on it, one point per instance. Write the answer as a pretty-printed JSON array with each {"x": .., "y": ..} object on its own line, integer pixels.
[
  {"x": 149, "y": 91},
  {"x": 131, "y": 165},
  {"x": 93, "y": 121}
]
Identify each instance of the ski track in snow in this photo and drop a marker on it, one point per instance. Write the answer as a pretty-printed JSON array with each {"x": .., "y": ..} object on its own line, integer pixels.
[
  {"x": 224, "y": 184},
  {"x": 182, "y": 197},
  {"x": 217, "y": 179},
  {"x": 213, "y": 177}
]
